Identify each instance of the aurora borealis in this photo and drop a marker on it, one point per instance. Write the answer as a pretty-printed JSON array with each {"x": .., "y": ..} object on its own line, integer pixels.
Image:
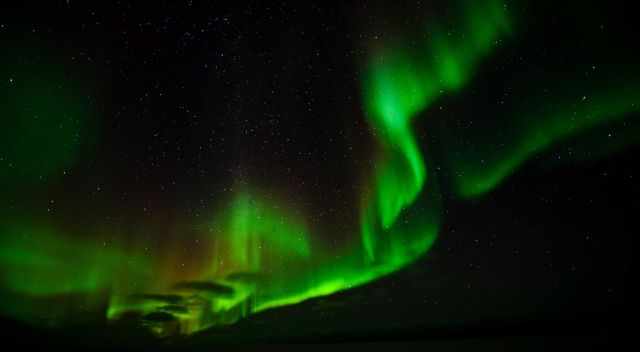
[{"x": 243, "y": 174}]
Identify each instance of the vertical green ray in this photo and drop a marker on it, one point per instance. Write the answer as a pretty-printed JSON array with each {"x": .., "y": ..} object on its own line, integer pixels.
[{"x": 403, "y": 81}]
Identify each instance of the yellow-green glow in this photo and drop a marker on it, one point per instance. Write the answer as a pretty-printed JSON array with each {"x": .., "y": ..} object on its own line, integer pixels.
[
  {"x": 259, "y": 254},
  {"x": 254, "y": 251},
  {"x": 38, "y": 260},
  {"x": 44, "y": 266}
]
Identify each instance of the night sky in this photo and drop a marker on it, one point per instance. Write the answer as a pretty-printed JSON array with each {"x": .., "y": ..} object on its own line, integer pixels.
[{"x": 201, "y": 172}]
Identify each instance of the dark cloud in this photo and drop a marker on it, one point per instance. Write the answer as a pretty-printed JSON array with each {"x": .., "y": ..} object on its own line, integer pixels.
[
  {"x": 211, "y": 288},
  {"x": 246, "y": 277},
  {"x": 174, "y": 308},
  {"x": 159, "y": 317},
  {"x": 169, "y": 299}
]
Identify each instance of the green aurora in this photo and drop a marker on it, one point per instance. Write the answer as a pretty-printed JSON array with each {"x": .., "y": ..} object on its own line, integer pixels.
[
  {"x": 399, "y": 85},
  {"x": 260, "y": 254},
  {"x": 544, "y": 123},
  {"x": 43, "y": 109}
]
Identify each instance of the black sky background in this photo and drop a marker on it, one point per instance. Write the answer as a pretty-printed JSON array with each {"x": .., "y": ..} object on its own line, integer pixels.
[{"x": 198, "y": 98}]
